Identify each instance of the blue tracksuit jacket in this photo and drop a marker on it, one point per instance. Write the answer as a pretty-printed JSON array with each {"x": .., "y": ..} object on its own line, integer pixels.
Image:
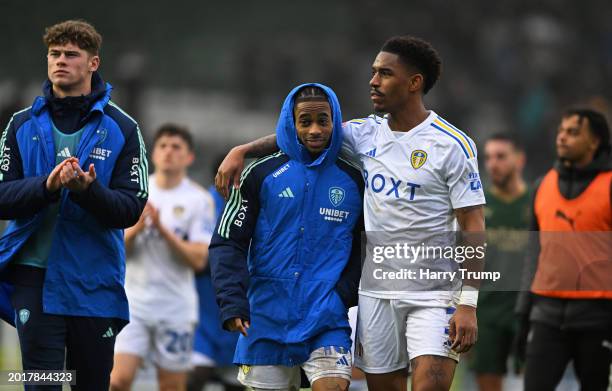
[
  {"x": 286, "y": 253},
  {"x": 86, "y": 265}
]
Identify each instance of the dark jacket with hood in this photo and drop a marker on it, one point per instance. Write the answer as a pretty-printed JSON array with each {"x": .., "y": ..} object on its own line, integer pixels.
[{"x": 567, "y": 314}]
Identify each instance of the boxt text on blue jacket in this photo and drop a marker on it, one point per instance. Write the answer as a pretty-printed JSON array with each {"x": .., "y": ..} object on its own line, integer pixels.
[
  {"x": 286, "y": 251},
  {"x": 86, "y": 264}
]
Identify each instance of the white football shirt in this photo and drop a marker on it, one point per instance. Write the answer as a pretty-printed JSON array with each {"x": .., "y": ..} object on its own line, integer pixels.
[
  {"x": 414, "y": 180},
  {"x": 159, "y": 285}
]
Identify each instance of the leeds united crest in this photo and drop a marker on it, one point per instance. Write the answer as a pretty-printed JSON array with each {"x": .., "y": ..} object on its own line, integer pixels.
[
  {"x": 336, "y": 195},
  {"x": 418, "y": 158}
]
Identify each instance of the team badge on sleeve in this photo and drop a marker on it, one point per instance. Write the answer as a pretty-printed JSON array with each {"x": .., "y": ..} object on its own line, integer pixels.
[
  {"x": 336, "y": 195},
  {"x": 418, "y": 158}
]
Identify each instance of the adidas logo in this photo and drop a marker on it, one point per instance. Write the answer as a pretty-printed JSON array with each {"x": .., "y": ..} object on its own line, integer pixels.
[
  {"x": 287, "y": 193},
  {"x": 109, "y": 333},
  {"x": 64, "y": 153},
  {"x": 342, "y": 361},
  {"x": 371, "y": 153}
]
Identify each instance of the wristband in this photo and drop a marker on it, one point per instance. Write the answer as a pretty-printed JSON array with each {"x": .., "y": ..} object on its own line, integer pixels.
[{"x": 468, "y": 296}]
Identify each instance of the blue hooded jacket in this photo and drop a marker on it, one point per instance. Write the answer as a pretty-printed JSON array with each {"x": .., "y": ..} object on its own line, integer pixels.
[
  {"x": 286, "y": 251},
  {"x": 209, "y": 337},
  {"x": 86, "y": 265}
]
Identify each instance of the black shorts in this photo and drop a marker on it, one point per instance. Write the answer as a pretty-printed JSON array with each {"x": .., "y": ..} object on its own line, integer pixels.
[
  {"x": 84, "y": 344},
  {"x": 550, "y": 349}
]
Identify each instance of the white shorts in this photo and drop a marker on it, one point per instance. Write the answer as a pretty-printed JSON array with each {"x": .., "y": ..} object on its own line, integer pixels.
[
  {"x": 169, "y": 346},
  {"x": 201, "y": 360},
  {"x": 323, "y": 362},
  {"x": 226, "y": 374},
  {"x": 352, "y": 316},
  {"x": 391, "y": 332}
]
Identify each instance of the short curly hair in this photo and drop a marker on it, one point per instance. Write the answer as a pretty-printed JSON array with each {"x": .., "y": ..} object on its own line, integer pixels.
[
  {"x": 77, "y": 32},
  {"x": 416, "y": 53},
  {"x": 597, "y": 124}
]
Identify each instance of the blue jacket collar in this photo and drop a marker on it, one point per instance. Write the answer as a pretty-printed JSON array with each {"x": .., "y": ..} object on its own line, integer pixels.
[
  {"x": 286, "y": 133},
  {"x": 96, "y": 100}
]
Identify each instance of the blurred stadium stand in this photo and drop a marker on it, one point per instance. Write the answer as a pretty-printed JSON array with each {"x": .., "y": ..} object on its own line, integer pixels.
[{"x": 223, "y": 68}]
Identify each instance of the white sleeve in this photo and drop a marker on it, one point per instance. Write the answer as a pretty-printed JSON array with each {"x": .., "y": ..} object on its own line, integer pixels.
[
  {"x": 349, "y": 149},
  {"x": 202, "y": 223},
  {"x": 463, "y": 179}
]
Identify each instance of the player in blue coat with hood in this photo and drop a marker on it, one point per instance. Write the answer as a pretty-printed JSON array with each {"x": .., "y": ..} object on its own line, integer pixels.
[{"x": 285, "y": 256}]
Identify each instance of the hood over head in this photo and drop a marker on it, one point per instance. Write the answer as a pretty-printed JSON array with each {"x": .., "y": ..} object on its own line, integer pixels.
[{"x": 286, "y": 133}]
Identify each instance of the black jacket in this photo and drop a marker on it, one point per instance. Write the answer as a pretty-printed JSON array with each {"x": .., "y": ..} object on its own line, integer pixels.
[{"x": 564, "y": 313}]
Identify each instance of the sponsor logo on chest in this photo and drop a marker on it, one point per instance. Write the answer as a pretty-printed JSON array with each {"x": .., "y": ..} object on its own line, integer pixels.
[
  {"x": 281, "y": 170},
  {"x": 336, "y": 197},
  {"x": 390, "y": 186},
  {"x": 100, "y": 153}
]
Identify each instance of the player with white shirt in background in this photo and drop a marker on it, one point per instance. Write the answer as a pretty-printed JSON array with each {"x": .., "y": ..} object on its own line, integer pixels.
[
  {"x": 164, "y": 249},
  {"x": 421, "y": 176}
]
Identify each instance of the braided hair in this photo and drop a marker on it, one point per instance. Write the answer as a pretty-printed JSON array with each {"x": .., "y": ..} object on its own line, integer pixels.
[{"x": 310, "y": 93}]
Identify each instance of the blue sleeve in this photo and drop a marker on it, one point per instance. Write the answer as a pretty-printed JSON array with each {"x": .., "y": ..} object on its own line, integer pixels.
[
  {"x": 228, "y": 250},
  {"x": 19, "y": 197},
  {"x": 7, "y": 312},
  {"x": 121, "y": 203}
]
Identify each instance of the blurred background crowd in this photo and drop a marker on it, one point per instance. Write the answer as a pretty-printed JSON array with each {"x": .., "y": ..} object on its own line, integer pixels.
[{"x": 223, "y": 68}]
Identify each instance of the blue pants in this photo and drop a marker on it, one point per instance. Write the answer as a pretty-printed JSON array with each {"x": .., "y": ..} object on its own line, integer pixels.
[{"x": 84, "y": 344}]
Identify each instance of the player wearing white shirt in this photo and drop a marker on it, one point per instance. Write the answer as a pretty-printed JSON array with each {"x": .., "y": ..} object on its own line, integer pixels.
[
  {"x": 423, "y": 173},
  {"x": 431, "y": 181},
  {"x": 421, "y": 176},
  {"x": 164, "y": 248},
  {"x": 414, "y": 182},
  {"x": 157, "y": 283}
]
